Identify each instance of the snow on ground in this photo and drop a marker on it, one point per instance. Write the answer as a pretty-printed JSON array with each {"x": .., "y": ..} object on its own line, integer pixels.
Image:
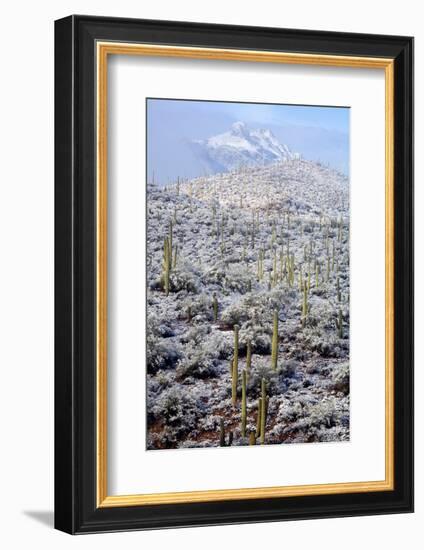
[{"x": 241, "y": 245}]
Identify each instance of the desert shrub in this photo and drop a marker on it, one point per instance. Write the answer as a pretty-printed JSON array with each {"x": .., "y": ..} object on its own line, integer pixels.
[
  {"x": 200, "y": 308},
  {"x": 289, "y": 367},
  {"x": 175, "y": 408},
  {"x": 231, "y": 277},
  {"x": 260, "y": 340},
  {"x": 185, "y": 277},
  {"x": 340, "y": 378},
  {"x": 235, "y": 314},
  {"x": 161, "y": 353},
  {"x": 322, "y": 414},
  {"x": 327, "y": 344},
  {"x": 261, "y": 368},
  {"x": 197, "y": 362},
  {"x": 196, "y": 335},
  {"x": 159, "y": 325},
  {"x": 289, "y": 412}
]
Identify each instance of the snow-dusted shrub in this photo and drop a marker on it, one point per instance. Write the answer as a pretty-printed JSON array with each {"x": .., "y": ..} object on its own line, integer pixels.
[
  {"x": 327, "y": 344},
  {"x": 160, "y": 325},
  {"x": 162, "y": 353},
  {"x": 196, "y": 335},
  {"x": 288, "y": 367},
  {"x": 184, "y": 277},
  {"x": 289, "y": 412},
  {"x": 261, "y": 369},
  {"x": 229, "y": 275},
  {"x": 235, "y": 314},
  {"x": 200, "y": 361},
  {"x": 340, "y": 378},
  {"x": 200, "y": 308},
  {"x": 176, "y": 408},
  {"x": 259, "y": 337},
  {"x": 237, "y": 278},
  {"x": 324, "y": 413}
]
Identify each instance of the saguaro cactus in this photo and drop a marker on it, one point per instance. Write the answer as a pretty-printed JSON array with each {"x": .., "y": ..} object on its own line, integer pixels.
[
  {"x": 166, "y": 265},
  {"x": 171, "y": 233},
  {"x": 243, "y": 404},
  {"x": 339, "y": 294},
  {"x": 252, "y": 438},
  {"x": 263, "y": 410},
  {"x": 221, "y": 433},
  {"x": 304, "y": 305},
  {"x": 235, "y": 365},
  {"x": 253, "y": 229},
  {"x": 275, "y": 273},
  {"x": 261, "y": 265},
  {"x": 258, "y": 419},
  {"x": 274, "y": 349},
  {"x": 248, "y": 356},
  {"x": 281, "y": 265},
  {"x": 339, "y": 324},
  {"x": 215, "y": 307}
]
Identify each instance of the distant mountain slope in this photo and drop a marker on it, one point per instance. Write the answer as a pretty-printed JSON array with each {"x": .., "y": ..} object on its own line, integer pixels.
[
  {"x": 290, "y": 184},
  {"x": 241, "y": 146}
]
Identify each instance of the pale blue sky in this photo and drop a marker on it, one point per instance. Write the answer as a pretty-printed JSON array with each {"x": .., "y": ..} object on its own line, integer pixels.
[{"x": 318, "y": 133}]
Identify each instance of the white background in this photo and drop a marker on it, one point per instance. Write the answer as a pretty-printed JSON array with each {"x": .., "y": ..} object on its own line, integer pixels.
[
  {"x": 26, "y": 289},
  {"x": 131, "y": 80}
]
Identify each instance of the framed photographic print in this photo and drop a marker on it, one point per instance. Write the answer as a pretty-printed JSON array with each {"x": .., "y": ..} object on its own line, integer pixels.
[{"x": 234, "y": 274}]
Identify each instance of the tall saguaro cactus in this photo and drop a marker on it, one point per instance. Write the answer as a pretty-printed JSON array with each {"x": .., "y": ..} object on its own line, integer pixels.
[
  {"x": 221, "y": 433},
  {"x": 253, "y": 230},
  {"x": 215, "y": 307},
  {"x": 258, "y": 418},
  {"x": 171, "y": 233},
  {"x": 274, "y": 349},
  {"x": 339, "y": 294},
  {"x": 243, "y": 404},
  {"x": 235, "y": 365},
  {"x": 248, "y": 356},
  {"x": 261, "y": 265},
  {"x": 304, "y": 305},
  {"x": 263, "y": 410},
  {"x": 339, "y": 323},
  {"x": 166, "y": 265}
]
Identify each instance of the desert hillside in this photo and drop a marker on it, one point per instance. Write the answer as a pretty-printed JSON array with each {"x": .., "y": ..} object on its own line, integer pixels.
[{"x": 248, "y": 308}]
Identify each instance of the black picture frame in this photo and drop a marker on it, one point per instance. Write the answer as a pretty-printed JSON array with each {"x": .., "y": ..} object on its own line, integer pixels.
[{"x": 76, "y": 510}]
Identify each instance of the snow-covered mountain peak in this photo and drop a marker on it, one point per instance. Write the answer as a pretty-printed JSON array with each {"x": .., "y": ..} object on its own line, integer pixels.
[
  {"x": 239, "y": 128},
  {"x": 241, "y": 146}
]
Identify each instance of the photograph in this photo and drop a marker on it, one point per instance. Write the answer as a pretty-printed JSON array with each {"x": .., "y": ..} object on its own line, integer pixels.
[
  {"x": 247, "y": 274},
  {"x": 233, "y": 269}
]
